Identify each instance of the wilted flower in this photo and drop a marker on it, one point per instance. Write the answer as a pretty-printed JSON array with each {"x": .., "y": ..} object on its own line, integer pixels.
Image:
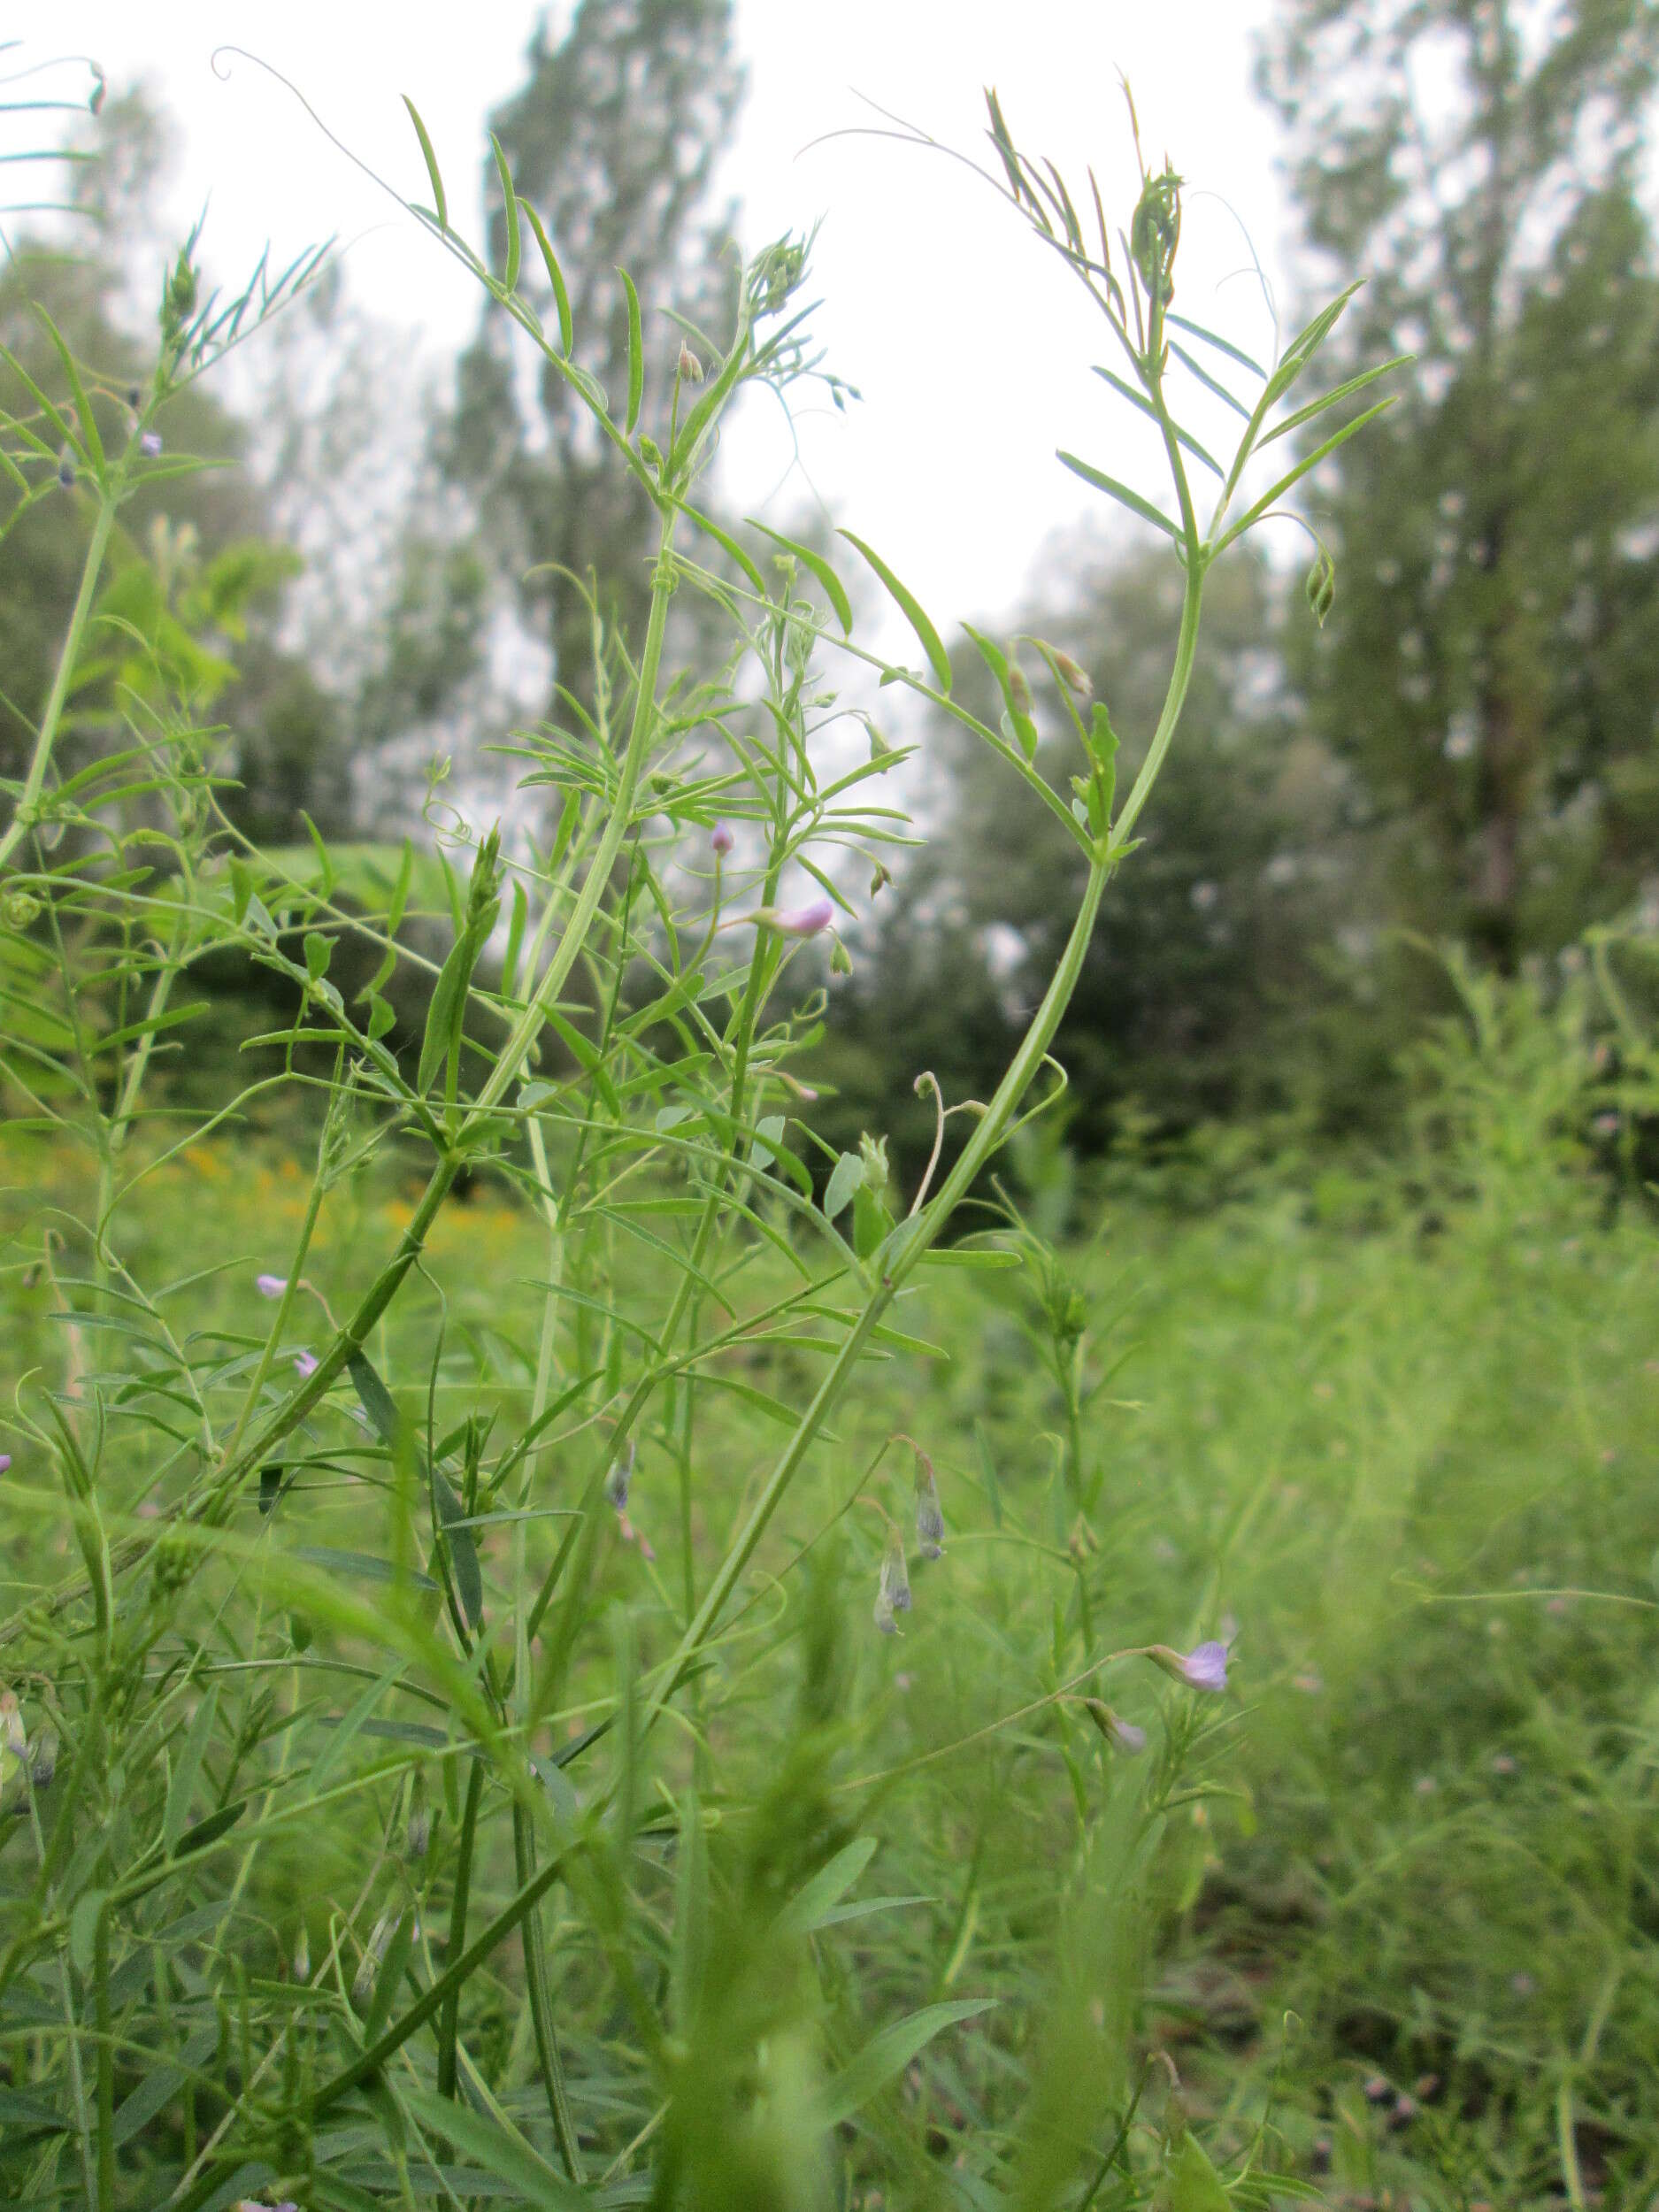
[
  {"x": 893, "y": 1585},
  {"x": 930, "y": 1520},
  {"x": 1122, "y": 1735},
  {"x": 1076, "y": 676},
  {"x": 689, "y": 366},
  {"x": 149, "y": 443},
  {"x": 67, "y": 472},
  {"x": 362, "y": 1982},
  {"x": 420, "y": 1831},
  {"x": 795, "y": 921},
  {"x": 270, "y": 1286},
  {"x": 43, "y": 1758},
  {"x": 620, "y": 1476},
  {"x": 1203, "y": 1668},
  {"x": 307, "y": 1364},
  {"x": 721, "y": 840}
]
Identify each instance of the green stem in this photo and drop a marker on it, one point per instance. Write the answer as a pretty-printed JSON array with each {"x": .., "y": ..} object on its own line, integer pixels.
[
  {"x": 34, "y": 781},
  {"x": 449, "y": 2018},
  {"x": 540, "y": 1990},
  {"x": 106, "y": 2064},
  {"x": 513, "y": 1055},
  {"x": 913, "y": 1238}
]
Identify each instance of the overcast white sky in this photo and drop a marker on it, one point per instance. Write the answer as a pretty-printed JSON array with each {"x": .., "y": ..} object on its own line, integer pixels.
[{"x": 967, "y": 343}]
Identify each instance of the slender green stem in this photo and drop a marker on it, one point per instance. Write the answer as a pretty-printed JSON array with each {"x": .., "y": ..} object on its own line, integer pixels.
[
  {"x": 908, "y": 1243},
  {"x": 106, "y": 2064},
  {"x": 540, "y": 1990},
  {"x": 46, "y": 736},
  {"x": 513, "y": 1055},
  {"x": 449, "y": 2019}
]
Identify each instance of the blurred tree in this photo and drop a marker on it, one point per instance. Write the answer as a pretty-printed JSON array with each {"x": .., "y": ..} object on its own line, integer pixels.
[
  {"x": 614, "y": 139},
  {"x": 1207, "y": 945},
  {"x": 1491, "y": 666}
]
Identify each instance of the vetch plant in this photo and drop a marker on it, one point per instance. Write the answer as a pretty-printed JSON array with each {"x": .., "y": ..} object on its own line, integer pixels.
[{"x": 317, "y": 1583}]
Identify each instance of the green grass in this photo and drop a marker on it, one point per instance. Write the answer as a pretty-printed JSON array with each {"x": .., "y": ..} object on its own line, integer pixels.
[{"x": 1406, "y": 1449}]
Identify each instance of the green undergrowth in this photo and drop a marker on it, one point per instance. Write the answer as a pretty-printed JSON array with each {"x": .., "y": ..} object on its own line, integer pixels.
[{"x": 1408, "y": 1920}]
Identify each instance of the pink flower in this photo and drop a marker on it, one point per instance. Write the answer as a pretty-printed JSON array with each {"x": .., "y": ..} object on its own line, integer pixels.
[
  {"x": 796, "y": 921},
  {"x": 5, "y": 1462},
  {"x": 306, "y": 1363},
  {"x": 270, "y": 1286},
  {"x": 149, "y": 443},
  {"x": 721, "y": 840}
]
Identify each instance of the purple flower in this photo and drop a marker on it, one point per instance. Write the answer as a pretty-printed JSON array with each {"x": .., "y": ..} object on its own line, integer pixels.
[
  {"x": 721, "y": 840},
  {"x": 149, "y": 443},
  {"x": 5, "y": 1462},
  {"x": 1203, "y": 1668},
  {"x": 796, "y": 921},
  {"x": 306, "y": 1364},
  {"x": 270, "y": 1286}
]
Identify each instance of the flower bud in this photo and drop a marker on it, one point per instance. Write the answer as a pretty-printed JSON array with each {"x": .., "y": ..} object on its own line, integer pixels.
[
  {"x": 19, "y": 909},
  {"x": 689, "y": 366},
  {"x": 66, "y": 472},
  {"x": 721, "y": 840},
  {"x": 13, "y": 1738},
  {"x": 149, "y": 444},
  {"x": 1018, "y": 688},
  {"x": 270, "y": 1286},
  {"x": 302, "y": 1965}
]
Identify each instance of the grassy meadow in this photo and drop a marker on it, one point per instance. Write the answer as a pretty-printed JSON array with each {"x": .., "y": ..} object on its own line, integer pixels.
[{"x": 1394, "y": 1930}]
